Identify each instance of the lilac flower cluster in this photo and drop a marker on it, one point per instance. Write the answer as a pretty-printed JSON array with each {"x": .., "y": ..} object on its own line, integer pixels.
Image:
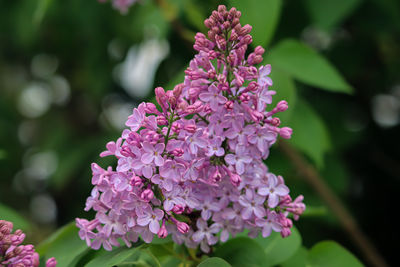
[
  {"x": 121, "y": 5},
  {"x": 13, "y": 254},
  {"x": 194, "y": 168}
]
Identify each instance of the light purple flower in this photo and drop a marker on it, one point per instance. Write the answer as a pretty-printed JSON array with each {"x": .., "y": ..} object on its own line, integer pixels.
[
  {"x": 269, "y": 224},
  {"x": 152, "y": 219},
  {"x": 213, "y": 97},
  {"x": 153, "y": 153},
  {"x": 273, "y": 190},
  {"x": 239, "y": 159}
]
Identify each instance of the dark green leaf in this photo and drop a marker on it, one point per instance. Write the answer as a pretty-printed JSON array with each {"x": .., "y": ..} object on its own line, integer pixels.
[
  {"x": 307, "y": 66},
  {"x": 214, "y": 262},
  {"x": 278, "y": 249},
  {"x": 3, "y": 154},
  {"x": 114, "y": 257},
  {"x": 327, "y": 13},
  {"x": 11, "y": 215},
  {"x": 262, "y": 15},
  {"x": 331, "y": 254},
  {"x": 42, "y": 7},
  {"x": 298, "y": 259},
  {"x": 285, "y": 90},
  {"x": 242, "y": 252},
  {"x": 65, "y": 245},
  {"x": 309, "y": 132}
]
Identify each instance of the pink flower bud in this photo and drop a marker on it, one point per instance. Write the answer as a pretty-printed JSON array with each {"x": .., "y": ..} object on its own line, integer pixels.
[
  {"x": 178, "y": 209},
  {"x": 176, "y": 127},
  {"x": 285, "y": 232},
  {"x": 162, "y": 233},
  {"x": 136, "y": 181},
  {"x": 182, "y": 227},
  {"x": 229, "y": 105},
  {"x": 259, "y": 50},
  {"x": 275, "y": 122},
  {"x": 191, "y": 128},
  {"x": 177, "y": 152},
  {"x": 147, "y": 195},
  {"x": 150, "y": 108},
  {"x": 253, "y": 86},
  {"x": 235, "y": 179},
  {"x": 51, "y": 262},
  {"x": 216, "y": 176},
  {"x": 244, "y": 97},
  {"x": 246, "y": 29},
  {"x": 256, "y": 115},
  {"x": 282, "y": 106},
  {"x": 161, "y": 120},
  {"x": 285, "y": 132},
  {"x": 161, "y": 97}
]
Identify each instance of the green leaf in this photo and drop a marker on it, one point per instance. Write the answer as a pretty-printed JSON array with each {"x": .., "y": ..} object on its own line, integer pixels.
[
  {"x": 11, "y": 215},
  {"x": 307, "y": 66},
  {"x": 309, "y": 132},
  {"x": 214, "y": 262},
  {"x": 331, "y": 254},
  {"x": 285, "y": 90},
  {"x": 3, "y": 154},
  {"x": 41, "y": 8},
  {"x": 299, "y": 259},
  {"x": 65, "y": 245},
  {"x": 194, "y": 15},
  {"x": 328, "y": 13},
  {"x": 114, "y": 257},
  {"x": 263, "y": 16},
  {"x": 242, "y": 252},
  {"x": 278, "y": 249}
]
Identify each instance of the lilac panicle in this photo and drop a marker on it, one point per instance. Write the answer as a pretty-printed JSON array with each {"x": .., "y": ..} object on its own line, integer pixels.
[
  {"x": 194, "y": 167},
  {"x": 13, "y": 254}
]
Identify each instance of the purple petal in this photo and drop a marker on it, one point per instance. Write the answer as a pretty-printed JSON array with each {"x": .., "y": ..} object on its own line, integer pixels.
[{"x": 154, "y": 226}]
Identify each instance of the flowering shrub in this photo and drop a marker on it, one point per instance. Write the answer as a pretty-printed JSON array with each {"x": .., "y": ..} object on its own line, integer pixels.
[
  {"x": 193, "y": 167},
  {"x": 13, "y": 254}
]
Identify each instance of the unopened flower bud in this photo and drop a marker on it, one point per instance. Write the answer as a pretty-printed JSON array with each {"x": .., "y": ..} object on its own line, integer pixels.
[
  {"x": 229, "y": 105},
  {"x": 136, "y": 181},
  {"x": 51, "y": 262},
  {"x": 162, "y": 233},
  {"x": 191, "y": 128},
  {"x": 178, "y": 209},
  {"x": 282, "y": 106},
  {"x": 147, "y": 195},
  {"x": 182, "y": 227},
  {"x": 161, "y": 120},
  {"x": 235, "y": 179},
  {"x": 285, "y": 132}
]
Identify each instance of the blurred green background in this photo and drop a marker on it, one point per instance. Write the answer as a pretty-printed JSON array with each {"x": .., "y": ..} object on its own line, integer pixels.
[{"x": 71, "y": 72}]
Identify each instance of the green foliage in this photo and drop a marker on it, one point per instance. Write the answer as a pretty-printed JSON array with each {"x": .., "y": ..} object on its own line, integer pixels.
[
  {"x": 330, "y": 254},
  {"x": 278, "y": 249},
  {"x": 285, "y": 90},
  {"x": 327, "y": 14},
  {"x": 214, "y": 262},
  {"x": 262, "y": 15},
  {"x": 307, "y": 66},
  {"x": 11, "y": 215},
  {"x": 309, "y": 132},
  {"x": 242, "y": 252},
  {"x": 299, "y": 259},
  {"x": 65, "y": 245}
]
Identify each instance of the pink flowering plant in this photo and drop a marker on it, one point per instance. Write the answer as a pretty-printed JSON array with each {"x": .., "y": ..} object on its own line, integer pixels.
[
  {"x": 193, "y": 167},
  {"x": 13, "y": 253}
]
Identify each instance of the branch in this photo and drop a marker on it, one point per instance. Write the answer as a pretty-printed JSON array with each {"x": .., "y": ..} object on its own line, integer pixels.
[{"x": 310, "y": 174}]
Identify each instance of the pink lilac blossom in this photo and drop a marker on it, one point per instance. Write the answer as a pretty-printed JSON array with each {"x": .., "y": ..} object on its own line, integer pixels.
[
  {"x": 195, "y": 168},
  {"x": 13, "y": 254}
]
